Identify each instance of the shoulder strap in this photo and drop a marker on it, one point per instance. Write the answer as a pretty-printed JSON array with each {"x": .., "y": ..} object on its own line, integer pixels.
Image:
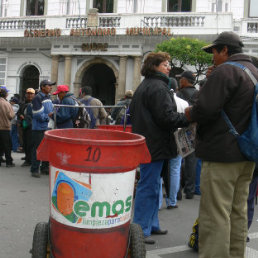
[
  {"x": 245, "y": 69},
  {"x": 232, "y": 129}
]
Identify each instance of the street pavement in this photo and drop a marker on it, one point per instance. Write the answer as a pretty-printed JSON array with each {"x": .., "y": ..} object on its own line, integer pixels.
[{"x": 24, "y": 201}]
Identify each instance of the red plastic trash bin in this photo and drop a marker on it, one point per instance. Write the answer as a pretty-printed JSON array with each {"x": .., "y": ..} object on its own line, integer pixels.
[
  {"x": 92, "y": 175},
  {"x": 128, "y": 128}
]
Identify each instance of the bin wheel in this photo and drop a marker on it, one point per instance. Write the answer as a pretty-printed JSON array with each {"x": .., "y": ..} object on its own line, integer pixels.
[
  {"x": 136, "y": 247},
  {"x": 40, "y": 244}
]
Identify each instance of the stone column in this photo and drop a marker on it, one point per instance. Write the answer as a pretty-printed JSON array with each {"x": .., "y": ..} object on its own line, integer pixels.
[
  {"x": 120, "y": 90},
  {"x": 54, "y": 70},
  {"x": 137, "y": 72},
  {"x": 67, "y": 72}
]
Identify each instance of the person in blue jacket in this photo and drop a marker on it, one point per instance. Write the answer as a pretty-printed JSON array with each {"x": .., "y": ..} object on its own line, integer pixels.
[
  {"x": 42, "y": 111},
  {"x": 65, "y": 115}
]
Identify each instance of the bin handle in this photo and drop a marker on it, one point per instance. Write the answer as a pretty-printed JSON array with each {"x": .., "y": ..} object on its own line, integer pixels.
[{"x": 42, "y": 150}]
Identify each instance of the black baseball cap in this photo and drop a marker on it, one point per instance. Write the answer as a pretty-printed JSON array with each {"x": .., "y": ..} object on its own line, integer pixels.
[
  {"x": 227, "y": 38},
  {"x": 46, "y": 82},
  {"x": 188, "y": 75}
]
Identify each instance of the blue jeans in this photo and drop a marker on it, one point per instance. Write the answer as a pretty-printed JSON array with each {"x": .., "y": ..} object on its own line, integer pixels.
[
  {"x": 198, "y": 177},
  {"x": 146, "y": 204},
  {"x": 250, "y": 200},
  {"x": 174, "y": 175},
  {"x": 14, "y": 137}
]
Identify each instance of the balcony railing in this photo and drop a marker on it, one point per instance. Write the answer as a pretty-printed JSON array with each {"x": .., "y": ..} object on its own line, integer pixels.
[
  {"x": 179, "y": 23},
  {"x": 19, "y": 24},
  {"x": 252, "y": 27},
  {"x": 174, "y": 21}
]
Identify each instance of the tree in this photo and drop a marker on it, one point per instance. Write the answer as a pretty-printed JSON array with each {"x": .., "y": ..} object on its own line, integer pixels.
[{"x": 187, "y": 51}]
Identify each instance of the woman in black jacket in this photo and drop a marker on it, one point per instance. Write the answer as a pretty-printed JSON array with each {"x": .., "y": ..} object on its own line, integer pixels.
[{"x": 153, "y": 115}]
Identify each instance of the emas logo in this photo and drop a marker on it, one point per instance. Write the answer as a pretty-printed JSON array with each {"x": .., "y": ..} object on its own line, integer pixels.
[
  {"x": 66, "y": 192},
  {"x": 73, "y": 200}
]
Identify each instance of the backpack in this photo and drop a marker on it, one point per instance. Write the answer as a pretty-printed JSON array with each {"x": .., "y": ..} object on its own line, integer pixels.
[
  {"x": 194, "y": 236},
  {"x": 82, "y": 119},
  {"x": 120, "y": 116},
  {"x": 90, "y": 112},
  {"x": 248, "y": 140}
]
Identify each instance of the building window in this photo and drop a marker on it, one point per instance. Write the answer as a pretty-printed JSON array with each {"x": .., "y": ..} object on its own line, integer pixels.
[
  {"x": 219, "y": 7},
  {"x": 3, "y": 8},
  {"x": 104, "y": 6},
  {"x": 253, "y": 8},
  {"x": 35, "y": 7},
  {"x": 226, "y": 7},
  {"x": 2, "y": 71},
  {"x": 179, "y": 5}
]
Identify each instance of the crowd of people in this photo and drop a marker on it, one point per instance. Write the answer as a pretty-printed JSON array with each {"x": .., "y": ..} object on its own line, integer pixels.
[
  {"x": 227, "y": 182},
  {"x": 217, "y": 170},
  {"x": 23, "y": 123}
]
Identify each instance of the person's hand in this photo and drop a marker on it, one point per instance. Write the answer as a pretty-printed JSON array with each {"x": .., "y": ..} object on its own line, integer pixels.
[
  {"x": 21, "y": 117},
  {"x": 187, "y": 113},
  {"x": 50, "y": 114},
  {"x": 210, "y": 69}
]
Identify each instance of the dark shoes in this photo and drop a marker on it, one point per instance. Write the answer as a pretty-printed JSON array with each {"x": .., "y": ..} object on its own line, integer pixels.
[
  {"x": 172, "y": 207},
  {"x": 44, "y": 171},
  {"x": 26, "y": 164},
  {"x": 189, "y": 196},
  {"x": 149, "y": 241},
  {"x": 159, "y": 232},
  {"x": 10, "y": 165},
  {"x": 35, "y": 175},
  {"x": 179, "y": 195},
  {"x": 2, "y": 160}
]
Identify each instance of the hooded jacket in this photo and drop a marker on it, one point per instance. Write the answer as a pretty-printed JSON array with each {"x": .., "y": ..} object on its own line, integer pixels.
[
  {"x": 229, "y": 88},
  {"x": 65, "y": 115},
  {"x": 153, "y": 115}
]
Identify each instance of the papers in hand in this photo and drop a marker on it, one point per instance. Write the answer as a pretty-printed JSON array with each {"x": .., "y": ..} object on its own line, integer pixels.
[{"x": 185, "y": 140}]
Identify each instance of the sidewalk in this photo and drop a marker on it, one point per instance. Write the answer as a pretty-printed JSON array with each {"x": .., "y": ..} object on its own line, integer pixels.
[{"x": 179, "y": 224}]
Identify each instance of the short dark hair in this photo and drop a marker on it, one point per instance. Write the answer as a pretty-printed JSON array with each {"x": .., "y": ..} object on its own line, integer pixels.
[
  {"x": 231, "y": 50},
  {"x": 153, "y": 59},
  {"x": 3, "y": 93},
  {"x": 87, "y": 90}
]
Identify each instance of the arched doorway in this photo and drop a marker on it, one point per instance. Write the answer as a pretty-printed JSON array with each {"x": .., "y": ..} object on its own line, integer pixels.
[
  {"x": 102, "y": 80},
  {"x": 29, "y": 79}
]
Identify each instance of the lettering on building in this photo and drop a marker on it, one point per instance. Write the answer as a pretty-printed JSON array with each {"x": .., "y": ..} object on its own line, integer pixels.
[
  {"x": 148, "y": 31},
  {"x": 93, "y": 32},
  {"x": 42, "y": 33},
  {"x": 94, "y": 46}
]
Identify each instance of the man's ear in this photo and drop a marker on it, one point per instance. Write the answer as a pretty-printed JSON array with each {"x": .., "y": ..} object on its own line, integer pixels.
[{"x": 225, "y": 50}]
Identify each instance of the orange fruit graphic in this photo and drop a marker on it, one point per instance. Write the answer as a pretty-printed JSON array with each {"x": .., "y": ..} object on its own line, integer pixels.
[{"x": 65, "y": 198}]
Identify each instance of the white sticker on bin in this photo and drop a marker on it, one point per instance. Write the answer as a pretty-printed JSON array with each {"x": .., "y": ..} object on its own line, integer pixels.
[{"x": 93, "y": 201}]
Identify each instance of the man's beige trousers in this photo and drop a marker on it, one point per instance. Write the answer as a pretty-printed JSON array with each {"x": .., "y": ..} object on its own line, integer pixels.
[{"x": 223, "y": 209}]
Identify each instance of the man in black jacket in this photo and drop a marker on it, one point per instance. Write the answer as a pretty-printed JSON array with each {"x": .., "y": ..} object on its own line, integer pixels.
[
  {"x": 188, "y": 92},
  {"x": 226, "y": 173}
]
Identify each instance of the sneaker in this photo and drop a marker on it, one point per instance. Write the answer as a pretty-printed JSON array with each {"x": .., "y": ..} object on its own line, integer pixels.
[
  {"x": 26, "y": 164},
  {"x": 159, "y": 232},
  {"x": 35, "y": 175},
  {"x": 10, "y": 165},
  {"x": 149, "y": 241},
  {"x": 189, "y": 196},
  {"x": 172, "y": 207}
]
